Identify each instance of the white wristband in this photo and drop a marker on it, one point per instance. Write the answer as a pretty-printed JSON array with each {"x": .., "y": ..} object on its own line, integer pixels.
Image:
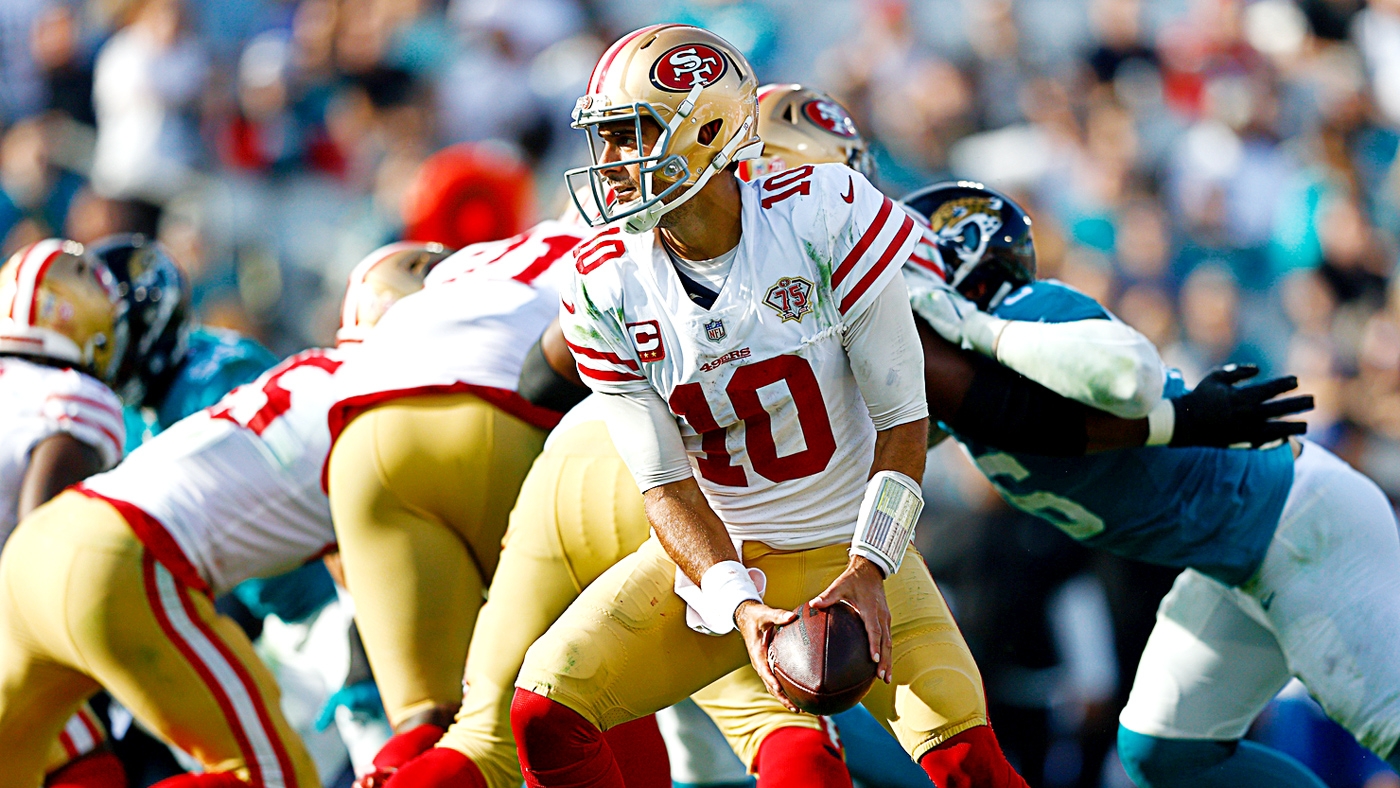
[
  {"x": 981, "y": 332},
  {"x": 1161, "y": 423},
  {"x": 723, "y": 588},
  {"x": 888, "y": 514}
]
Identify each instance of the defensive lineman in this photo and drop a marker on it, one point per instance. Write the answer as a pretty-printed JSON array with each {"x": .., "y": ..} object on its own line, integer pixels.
[
  {"x": 787, "y": 289},
  {"x": 1291, "y": 556}
]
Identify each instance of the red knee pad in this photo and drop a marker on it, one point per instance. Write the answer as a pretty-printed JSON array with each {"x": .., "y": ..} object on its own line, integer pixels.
[
  {"x": 558, "y": 748},
  {"x": 206, "y": 780},
  {"x": 440, "y": 767},
  {"x": 640, "y": 752},
  {"x": 99, "y": 769},
  {"x": 799, "y": 757},
  {"x": 971, "y": 759}
]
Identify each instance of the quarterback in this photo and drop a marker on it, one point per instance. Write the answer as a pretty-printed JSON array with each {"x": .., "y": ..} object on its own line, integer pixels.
[
  {"x": 1290, "y": 556},
  {"x": 762, "y": 331},
  {"x": 111, "y": 584}
]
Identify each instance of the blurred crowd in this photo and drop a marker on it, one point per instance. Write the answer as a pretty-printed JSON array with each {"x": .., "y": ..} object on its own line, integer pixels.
[{"x": 1222, "y": 173}]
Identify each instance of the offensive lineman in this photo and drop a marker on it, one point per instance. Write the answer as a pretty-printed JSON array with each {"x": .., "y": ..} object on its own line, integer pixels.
[
  {"x": 1291, "y": 557},
  {"x": 431, "y": 444},
  {"x": 59, "y": 339},
  {"x": 111, "y": 584},
  {"x": 786, "y": 290}
]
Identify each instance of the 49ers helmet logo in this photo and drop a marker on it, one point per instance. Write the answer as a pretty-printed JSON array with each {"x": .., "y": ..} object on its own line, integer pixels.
[
  {"x": 681, "y": 67},
  {"x": 832, "y": 117}
]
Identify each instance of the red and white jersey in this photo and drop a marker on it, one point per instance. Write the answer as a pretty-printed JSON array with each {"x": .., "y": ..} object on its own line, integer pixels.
[
  {"x": 38, "y": 402},
  {"x": 234, "y": 491},
  {"x": 469, "y": 328},
  {"x": 777, "y": 431}
]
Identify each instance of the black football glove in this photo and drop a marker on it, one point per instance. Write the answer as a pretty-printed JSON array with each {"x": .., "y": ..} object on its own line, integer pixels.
[{"x": 1219, "y": 413}]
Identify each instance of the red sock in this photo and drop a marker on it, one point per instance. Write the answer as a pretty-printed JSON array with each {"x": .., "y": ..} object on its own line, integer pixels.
[
  {"x": 558, "y": 747},
  {"x": 971, "y": 759},
  {"x": 206, "y": 780},
  {"x": 99, "y": 769},
  {"x": 407, "y": 745},
  {"x": 793, "y": 757},
  {"x": 440, "y": 767},
  {"x": 641, "y": 753}
]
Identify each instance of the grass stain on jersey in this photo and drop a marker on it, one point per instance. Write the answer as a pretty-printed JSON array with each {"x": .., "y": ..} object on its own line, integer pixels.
[{"x": 823, "y": 289}]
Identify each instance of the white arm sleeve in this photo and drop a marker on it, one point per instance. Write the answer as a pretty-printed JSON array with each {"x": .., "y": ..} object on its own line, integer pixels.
[
  {"x": 1104, "y": 364},
  {"x": 887, "y": 358},
  {"x": 645, "y": 434}
]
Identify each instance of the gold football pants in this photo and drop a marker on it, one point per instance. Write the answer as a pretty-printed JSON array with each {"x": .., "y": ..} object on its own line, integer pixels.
[
  {"x": 84, "y": 606},
  {"x": 623, "y": 650},
  {"x": 421, "y": 490},
  {"x": 579, "y": 512}
]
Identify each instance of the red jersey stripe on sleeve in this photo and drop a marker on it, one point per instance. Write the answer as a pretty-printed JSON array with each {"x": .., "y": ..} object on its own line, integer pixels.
[
  {"x": 602, "y": 355},
  {"x": 869, "y": 279},
  {"x": 858, "y": 251},
  {"x": 608, "y": 375}
]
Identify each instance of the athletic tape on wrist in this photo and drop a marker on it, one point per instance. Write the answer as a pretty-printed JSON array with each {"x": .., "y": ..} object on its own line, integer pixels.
[
  {"x": 888, "y": 513},
  {"x": 1161, "y": 423}
]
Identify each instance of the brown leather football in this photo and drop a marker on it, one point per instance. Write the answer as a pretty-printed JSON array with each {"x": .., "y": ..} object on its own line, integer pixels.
[{"x": 822, "y": 660}]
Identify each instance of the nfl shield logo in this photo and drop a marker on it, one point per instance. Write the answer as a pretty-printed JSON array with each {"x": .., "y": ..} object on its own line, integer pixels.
[{"x": 715, "y": 330}]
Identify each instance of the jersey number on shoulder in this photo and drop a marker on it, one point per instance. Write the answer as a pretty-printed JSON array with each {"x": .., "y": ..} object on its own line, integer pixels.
[
  {"x": 787, "y": 184},
  {"x": 688, "y": 402},
  {"x": 279, "y": 400},
  {"x": 1059, "y": 511}
]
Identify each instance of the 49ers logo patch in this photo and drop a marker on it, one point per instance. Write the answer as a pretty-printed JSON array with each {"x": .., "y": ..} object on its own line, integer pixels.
[
  {"x": 790, "y": 297},
  {"x": 681, "y": 67},
  {"x": 830, "y": 116}
]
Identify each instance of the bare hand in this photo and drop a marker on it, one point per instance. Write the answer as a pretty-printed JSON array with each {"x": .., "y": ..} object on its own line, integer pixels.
[
  {"x": 757, "y": 623},
  {"x": 863, "y": 586}
]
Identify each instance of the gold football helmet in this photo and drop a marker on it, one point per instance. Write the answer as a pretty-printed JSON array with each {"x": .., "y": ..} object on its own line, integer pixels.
[
  {"x": 57, "y": 303},
  {"x": 380, "y": 280},
  {"x": 800, "y": 126},
  {"x": 697, "y": 88}
]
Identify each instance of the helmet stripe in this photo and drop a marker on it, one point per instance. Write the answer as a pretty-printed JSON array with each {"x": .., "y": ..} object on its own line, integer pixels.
[
  {"x": 30, "y": 276},
  {"x": 600, "y": 71}
]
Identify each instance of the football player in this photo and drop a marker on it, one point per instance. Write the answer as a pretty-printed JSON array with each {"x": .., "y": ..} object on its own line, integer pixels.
[
  {"x": 1291, "y": 558},
  {"x": 577, "y": 514},
  {"x": 60, "y": 338},
  {"x": 178, "y": 367},
  {"x": 431, "y": 444},
  {"x": 800, "y": 126},
  {"x": 110, "y": 585},
  {"x": 764, "y": 330}
]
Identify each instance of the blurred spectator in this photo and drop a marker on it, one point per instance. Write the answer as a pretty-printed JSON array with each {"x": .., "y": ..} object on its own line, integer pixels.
[{"x": 145, "y": 89}]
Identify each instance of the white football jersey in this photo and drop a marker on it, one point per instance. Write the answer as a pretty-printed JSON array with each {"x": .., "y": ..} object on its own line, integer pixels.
[
  {"x": 234, "y": 491},
  {"x": 38, "y": 402},
  {"x": 775, "y": 426},
  {"x": 468, "y": 330}
]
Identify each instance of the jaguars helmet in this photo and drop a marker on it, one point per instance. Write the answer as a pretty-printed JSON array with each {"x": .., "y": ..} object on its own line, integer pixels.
[
  {"x": 158, "y": 314},
  {"x": 60, "y": 305},
  {"x": 380, "y": 280},
  {"x": 980, "y": 237},
  {"x": 702, "y": 94},
  {"x": 800, "y": 126}
]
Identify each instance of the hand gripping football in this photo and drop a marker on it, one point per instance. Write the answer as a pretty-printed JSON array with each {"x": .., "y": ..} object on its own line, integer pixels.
[{"x": 822, "y": 660}]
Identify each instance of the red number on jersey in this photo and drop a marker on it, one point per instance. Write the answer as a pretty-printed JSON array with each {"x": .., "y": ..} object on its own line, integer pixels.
[
  {"x": 279, "y": 400},
  {"x": 688, "y": 401},
  {"x": 796, "y": 175}
]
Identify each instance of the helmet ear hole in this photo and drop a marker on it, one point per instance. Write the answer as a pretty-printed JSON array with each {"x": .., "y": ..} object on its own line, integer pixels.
[{"x": 709, "y": 131}]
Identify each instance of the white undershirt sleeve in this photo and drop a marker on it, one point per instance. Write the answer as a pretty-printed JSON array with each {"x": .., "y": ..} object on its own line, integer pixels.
[
  {"x": 645, "y": 434},
  {"x": 1105, "y": 364},
  {"x": 888, "y": 359}
]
